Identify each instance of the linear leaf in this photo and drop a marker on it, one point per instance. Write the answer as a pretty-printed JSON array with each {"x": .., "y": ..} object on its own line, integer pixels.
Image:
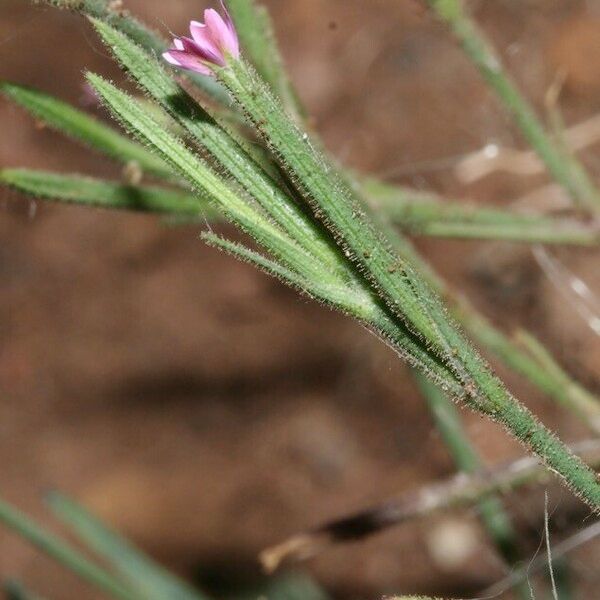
[
  {"x": 255, "y": 29},
  {"x": 63, "y": 553},
  {"x": 151, "y": 581},
  {"x": 106, "y": 194},
  {"x": 423, "y": 213},
  {"x": 17, "y": 591},
  {"x": 228, "y": 151},
  {"x": 84, "y": 128}
]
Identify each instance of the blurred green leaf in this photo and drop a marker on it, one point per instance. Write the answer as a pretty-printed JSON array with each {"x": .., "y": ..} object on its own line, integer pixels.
[
  {"x": 63, "y": 553},
  {"x": 86, "y": 129},
  {"x": 151, "y": 580},
  {"x": 423, "y": 213},
  {"x": 16, "y": 591},
  {"x": 291, "y": 586}
]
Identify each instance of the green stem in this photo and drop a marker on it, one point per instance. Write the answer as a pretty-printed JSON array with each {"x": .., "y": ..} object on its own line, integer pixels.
[
  {"x": 63, "y": 553},
  {"x": 546, "y": 374},
  {"x": 567, "y": 170},
  {"x": 465, "y": 456},
  {"x": 399, "y": 285}
]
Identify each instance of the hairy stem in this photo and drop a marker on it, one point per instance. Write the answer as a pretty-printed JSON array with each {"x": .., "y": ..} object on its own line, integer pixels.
[{"x": 404, "y": 291}]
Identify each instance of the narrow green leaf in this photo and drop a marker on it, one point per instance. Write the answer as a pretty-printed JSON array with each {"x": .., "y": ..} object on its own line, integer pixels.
[
  {"x": 106, "y": 194},
  {"x": 208, "y": 184},
  {"x": 16, "y": 591},
  {"x": 566, "y": 169},
  {"x": 257, "y": 36},
  {"x": 84, "y": 128},
  {"x": 149, "y": 579},
  {"x": 422, "y": 213},
  {"x": 63, "y": 553},
  {"x": 232, "y": 156}
]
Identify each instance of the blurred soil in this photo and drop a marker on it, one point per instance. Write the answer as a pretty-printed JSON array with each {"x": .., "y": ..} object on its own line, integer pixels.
[{"x": 205, "y": 410}]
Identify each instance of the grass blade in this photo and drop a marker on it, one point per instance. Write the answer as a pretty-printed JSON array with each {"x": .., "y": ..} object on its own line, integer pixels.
[
  {"x": 88, "y": 191},
  {"x": 422, "y": 213},
  {"x": 63, "y": 553},
  {"x": 149, "y": 579},
  {"x": 82, "y": 127},
  {"x": 566, "y": 169}
]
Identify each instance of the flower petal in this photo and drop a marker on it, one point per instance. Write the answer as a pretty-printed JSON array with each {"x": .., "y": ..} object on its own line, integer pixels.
[
  {"x": 234, "y": 48},
  {"x": 222, "y": 32},
  {"x": 201, "y": 35},
  {"x": 170, "y": 59},
  {"x": 204, "y": 52},
  {"x": 188, "y": 61}
]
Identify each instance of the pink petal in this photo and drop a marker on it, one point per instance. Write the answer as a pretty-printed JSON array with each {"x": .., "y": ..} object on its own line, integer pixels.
[
  {"x": 202, "y": 37},
  {"x": 235, "y": 48},
  {"x": 204, "y": 52},
  {"x": 170, "y": 59},
  {"x": 188, "y": 61},
  {"x": 222, "y": 33}
]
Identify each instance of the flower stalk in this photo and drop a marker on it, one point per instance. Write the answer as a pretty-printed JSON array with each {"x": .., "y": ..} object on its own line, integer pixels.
[
  {"x": 268, "y": 58},
  {"x": 402, "y": 289}
]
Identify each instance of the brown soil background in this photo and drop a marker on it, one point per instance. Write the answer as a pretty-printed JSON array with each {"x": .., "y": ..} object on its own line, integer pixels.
[{"x": 205, "y": 410}]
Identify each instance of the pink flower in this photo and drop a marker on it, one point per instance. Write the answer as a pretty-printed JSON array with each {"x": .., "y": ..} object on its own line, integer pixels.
[{"x": 212, "y": 43}]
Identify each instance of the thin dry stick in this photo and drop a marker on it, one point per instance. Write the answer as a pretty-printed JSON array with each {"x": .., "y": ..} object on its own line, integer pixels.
[
  {"x": 493, "y": 158},
  {"x": 548, "y": 548},
  {"x": 459, "y": 491},
  {"x": 560, "y": 550}
]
